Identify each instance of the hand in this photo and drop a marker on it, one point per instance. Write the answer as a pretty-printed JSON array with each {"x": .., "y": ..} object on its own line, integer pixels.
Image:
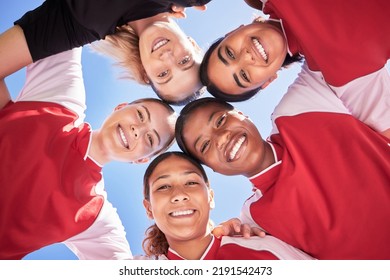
[{"x": 235, "y": 227}]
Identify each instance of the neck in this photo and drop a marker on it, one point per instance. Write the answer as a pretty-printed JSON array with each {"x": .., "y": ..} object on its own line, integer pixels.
[
  {"x": 96, "y": 149},
  {"x": 191, "y": 249},
  {"x": 266, "y": 158},
  {"x": 140, "y": 25}
]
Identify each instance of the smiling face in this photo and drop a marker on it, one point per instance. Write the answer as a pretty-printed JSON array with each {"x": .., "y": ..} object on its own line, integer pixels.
[
  {"x": 225, "y": 140},
  {"x": 171, "y": 60},
  {"x": 136, "y": 131},
  {"x": 247, "y": 58},
  {"x": 179, "y": 200}
]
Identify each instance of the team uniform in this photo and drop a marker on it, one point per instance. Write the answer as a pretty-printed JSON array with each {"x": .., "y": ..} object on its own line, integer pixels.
[
  {"x": 328, "y": 192},
  {"x": 239, "y": 248},
  {"x": 59, "y": 25},
  {"x": 344, "y": 43},
  {"x": 52, "y": 191}
]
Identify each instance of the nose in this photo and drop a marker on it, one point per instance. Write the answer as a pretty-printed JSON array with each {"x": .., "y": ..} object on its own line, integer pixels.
[
  {"x": 179, "y": 195},
  {"x": 222, "y": 138},
  {"x": 168, "y": 56},
  {"x": 246, "y": 57},
  {"x": 135, "y": 131}
]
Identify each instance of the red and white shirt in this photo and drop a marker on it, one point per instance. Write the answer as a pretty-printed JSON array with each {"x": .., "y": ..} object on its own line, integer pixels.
[
  {"x": 345, "y": 48},
  {"x": 253, "y": 248},
  {"x": 51, "y": 190}
]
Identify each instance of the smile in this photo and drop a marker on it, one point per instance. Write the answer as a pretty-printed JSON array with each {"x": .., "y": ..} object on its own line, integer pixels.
[
  {"x": 160, "y": 43},
  {"x": 123, "y": 137},
  {"x": 260, "y": 49},
  {"x": 236, "y": 147},
  {"x": 182, "y": 213}
]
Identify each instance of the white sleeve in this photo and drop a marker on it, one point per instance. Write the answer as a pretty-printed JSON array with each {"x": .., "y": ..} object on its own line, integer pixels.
[
  {"x": 57, "y": 79},
  {"x": 368, "y": 98},
  {"x": 105, "y": 239},
  {"x": 245, "y": 215},
  {"x": 308, "y": 93}
]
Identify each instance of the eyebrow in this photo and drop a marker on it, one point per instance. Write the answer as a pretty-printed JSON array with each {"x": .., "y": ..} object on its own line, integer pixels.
[
  {"x": 169, "y": 175},
  {"x": 189, "y": 66},
  {"x": 155, "y": 131},
  {"x": 224, "y": 61}
]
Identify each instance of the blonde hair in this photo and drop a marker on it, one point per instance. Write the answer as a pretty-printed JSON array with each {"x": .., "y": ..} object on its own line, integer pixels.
[{"x": 123, "y": 48}]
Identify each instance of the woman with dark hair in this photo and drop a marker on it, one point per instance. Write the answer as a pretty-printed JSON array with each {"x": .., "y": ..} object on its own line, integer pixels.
[{"x": 178, "y": 197}]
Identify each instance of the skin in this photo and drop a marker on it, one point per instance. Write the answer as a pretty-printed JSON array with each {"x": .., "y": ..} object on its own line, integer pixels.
[
  {"x": 15, "y": 55},
  {"x": 171, "y": 59},
  {"x": 237, "y": 64},
  {"x": 210, "y": 134},
  {"x": 180, "y": 203},
  {"x": 145, "y": 126}
]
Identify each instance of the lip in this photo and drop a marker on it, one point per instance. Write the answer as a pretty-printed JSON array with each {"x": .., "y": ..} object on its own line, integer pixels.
[
  {"x": 123, "y": 137},
  {"x": 259, "y": 49},
  {"x": 182, "y": 213},
  {"x": 159, "y": 43},
  {"x": 236, "y": 147}
]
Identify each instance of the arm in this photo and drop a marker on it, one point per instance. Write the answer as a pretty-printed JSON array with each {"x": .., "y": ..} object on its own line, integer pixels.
[
  {"x": 104, "y": 240},
  {"x": 4, "y": 94},
  {"x": 14, "y": 53}
]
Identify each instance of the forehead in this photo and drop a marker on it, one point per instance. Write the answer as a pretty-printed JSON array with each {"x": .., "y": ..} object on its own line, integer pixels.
[{"x": 182, "y": 84}]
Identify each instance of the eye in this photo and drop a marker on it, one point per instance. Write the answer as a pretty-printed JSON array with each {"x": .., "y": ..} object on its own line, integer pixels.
[
  {"x": 163, "y": 187},
  {"x": 150, "y": 139},
  {"x": 244, "y": 76},
  {"x": 163, "y": 74},
  {"x": 140, "y": 116},
  {"x": 192, "y": 183},
  {"x": 185, "y": 60},
  {"x": 229, "y": 53},
  {"x": 221, "y": 120},
  {"x": 204, "y": 146}
]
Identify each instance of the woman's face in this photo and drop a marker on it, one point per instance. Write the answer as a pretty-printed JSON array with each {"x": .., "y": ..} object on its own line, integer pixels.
[
  {"x": 225, "y": 140},
  {"x": 136, "y": 131},
  {"x": 180, "y": 200},
  {"x": 247, "y": 58},
  {"x": 171, "y": 60}
]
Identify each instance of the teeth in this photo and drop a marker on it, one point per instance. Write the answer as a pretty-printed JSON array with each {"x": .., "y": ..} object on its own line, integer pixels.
[
  {"x": 260, "y": 48},
  {"x": 182, "y": 213},
  {"x": 236, "y": 147},
  {"x": 159, "y": 44},
  {"x": 123, "y": 137}
]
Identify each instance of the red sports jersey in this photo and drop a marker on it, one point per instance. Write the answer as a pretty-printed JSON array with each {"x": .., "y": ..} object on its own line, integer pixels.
[
  {"x": 46, "y": 179},
  {"x": 344, "y": 40},
  {"x": 254, "y": 248},
  {"x": 328, "y": 192}
]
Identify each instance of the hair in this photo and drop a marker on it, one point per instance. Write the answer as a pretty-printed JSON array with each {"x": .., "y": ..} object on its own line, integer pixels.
[
  {"x": 171, "y": 119},
  {"x": 155, "y": 242},
  {"x": 216, "y": 92},
  {"x": 123, "y": 47},
  {"x": 186, "y": 113}
]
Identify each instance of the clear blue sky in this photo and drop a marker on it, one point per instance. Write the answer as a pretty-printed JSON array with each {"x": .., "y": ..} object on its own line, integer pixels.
[{"x": 105, "y": 90}]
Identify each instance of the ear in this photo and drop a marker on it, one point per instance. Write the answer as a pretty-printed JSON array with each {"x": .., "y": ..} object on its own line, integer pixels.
[
  {"x": 145, "y": 78},
  {"x": 211, "y": 199},
  {"x": 270, "y": 80},
  {"x": 142, "y": 160},
  {"x": 194, "y": 43},
  {"x": 148, "y": 208},
  {"x": 120, "y": 106},
  {"x": 177, "y": 12}
]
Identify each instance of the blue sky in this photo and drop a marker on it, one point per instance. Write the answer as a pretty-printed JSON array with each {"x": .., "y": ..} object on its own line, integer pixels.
[{"x": 105, "y": 90}]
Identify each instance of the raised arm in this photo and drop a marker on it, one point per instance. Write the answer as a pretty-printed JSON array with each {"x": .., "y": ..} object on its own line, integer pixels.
[{"x": 14, "y": 53}]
